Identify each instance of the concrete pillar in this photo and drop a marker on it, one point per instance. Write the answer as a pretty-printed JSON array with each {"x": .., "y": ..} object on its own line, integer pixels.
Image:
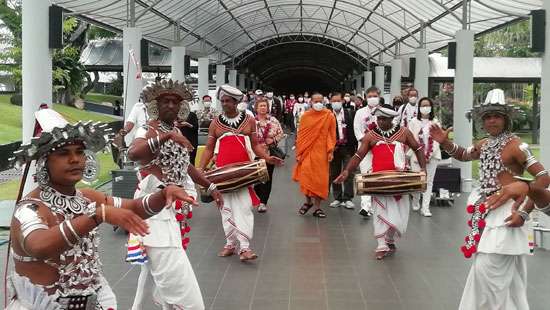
[
  {"x": 395, "y": 86},
  {"x": 178, "y": 63},
  {"x": 421, "y": 72},
  {"x": 203, "y": 76},
  {"x": 233, "y": 78},
  {"x": 463, "y": 98},
  {"x": 379, "y": 76},
  {"x": 368, "y": 80},
  {"x": 242, "y": 82},
  {"x": 220, "y": 75},
  {"x": 133, "y": 84},
  {"x": 254, "y": 82},
  {"x": 359, "y": 85},
  {"x": 36, "y": 70},
  {"x": 545, "y": 94}
]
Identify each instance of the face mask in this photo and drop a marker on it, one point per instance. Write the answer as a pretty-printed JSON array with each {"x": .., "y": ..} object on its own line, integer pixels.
[
  {"x": 425, "y": 110},
  {"x": 318, "y": 106},
  {"x": 412, "y": 100},
  {"x": 373, "y": 101},
  {"x": 241, "y": 106},
  {"x": 336, "y": 106},
  {"x": 347, "y": 99},
  {"x": 269, "y": 95},
  {"x": 291, "y": 97},
  {"x": 301, "y": 99},
  {"x": 306, "y": 106},
  {"x": 207, "y": 104}
]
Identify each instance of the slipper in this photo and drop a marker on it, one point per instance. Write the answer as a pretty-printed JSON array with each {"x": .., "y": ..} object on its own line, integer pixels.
[
  {"x": 305, "y": 207},
  {"x": 319, "y": 213}
]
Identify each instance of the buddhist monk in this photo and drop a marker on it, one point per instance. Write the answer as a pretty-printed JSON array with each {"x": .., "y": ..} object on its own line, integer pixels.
[{"x": 314, "y": 146}]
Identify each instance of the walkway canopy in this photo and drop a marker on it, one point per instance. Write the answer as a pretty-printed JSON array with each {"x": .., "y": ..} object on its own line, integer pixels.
[{"x": 225, "y": 29}]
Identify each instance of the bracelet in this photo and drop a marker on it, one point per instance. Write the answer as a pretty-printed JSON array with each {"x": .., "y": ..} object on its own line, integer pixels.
[
  {"x": 211, "y": 188},
  {"x": 103, "y": 213},
  {"x": 531, "y": 160},
  {"x": 154, "y": 144},
  {"x": 419, "y": 148},
  {"x": 541, "y": 173},
  {"x": 453, "y": 151},
  {"x": 524, "y": 215},
  {"x": 62, "y": 230},
  {"x": 72, "y": 230},
  {"x": 545, "y": 209},
  {"x": 117, "y": 202},
  {"x": 146, "y": 207},
  {"x": 357, "y": 155}
]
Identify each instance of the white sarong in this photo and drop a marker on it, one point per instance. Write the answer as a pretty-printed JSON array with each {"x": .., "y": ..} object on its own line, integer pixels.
[
  {"x": 237, "y": 218},
  {"x": 391, "y": 216},
  {"x": 498, "y": 276}
]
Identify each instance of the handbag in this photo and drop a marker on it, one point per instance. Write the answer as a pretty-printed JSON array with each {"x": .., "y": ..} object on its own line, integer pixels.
[{"x": 276, "y": 151}]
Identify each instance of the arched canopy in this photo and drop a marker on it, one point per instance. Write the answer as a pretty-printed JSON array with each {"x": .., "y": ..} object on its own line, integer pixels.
[{"x": 377, "y": 29}]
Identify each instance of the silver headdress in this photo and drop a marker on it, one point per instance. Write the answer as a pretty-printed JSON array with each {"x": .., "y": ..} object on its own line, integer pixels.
[
  {"x": 152, "y": 93},
  {"x": 57, "y": 132},
  {"x": 495, "y": 102}
]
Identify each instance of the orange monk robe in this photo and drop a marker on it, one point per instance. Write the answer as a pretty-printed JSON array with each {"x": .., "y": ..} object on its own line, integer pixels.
[{"x": 316, "y": 139}]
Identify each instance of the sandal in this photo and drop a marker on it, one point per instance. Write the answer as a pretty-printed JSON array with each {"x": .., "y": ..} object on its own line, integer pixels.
[
  {"x": 392, "y": 250},
  {"x": 246, "y": 255},
  {"x": 381, "y": 254},
  {"x": 319, "y": 213},
  {"x": 305, "y": 207}
]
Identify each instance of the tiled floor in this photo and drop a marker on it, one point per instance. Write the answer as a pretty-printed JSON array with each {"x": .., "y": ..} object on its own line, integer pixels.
[{"x": 309, "y": 263}]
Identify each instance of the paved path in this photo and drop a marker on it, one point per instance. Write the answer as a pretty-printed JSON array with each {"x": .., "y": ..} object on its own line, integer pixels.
[{"x": 309, "y": 263}]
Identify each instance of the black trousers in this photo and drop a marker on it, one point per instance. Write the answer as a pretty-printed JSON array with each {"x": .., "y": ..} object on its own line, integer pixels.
[
  {"x": 264, "y": 190},
  {"x": 289, "y": 121},
  {"x": 344, "y": 191}
]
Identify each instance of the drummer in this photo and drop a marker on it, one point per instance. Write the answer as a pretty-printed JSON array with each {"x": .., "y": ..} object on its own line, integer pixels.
[
  {"x": 385, "y": 143},
  {"x": 232, "y": 138}
]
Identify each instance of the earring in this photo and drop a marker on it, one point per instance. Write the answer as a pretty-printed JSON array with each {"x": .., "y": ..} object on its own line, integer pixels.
[
  {"x": 152, "y": 110},
  {"x": 184, "y": 111},
  {"x": 42, "y": 176}
]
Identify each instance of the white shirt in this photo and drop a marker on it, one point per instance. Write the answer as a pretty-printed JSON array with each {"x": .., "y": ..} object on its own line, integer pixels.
[
  {"x": 415, "y": 126},
  {"x": 138, "y": 116},
  {"x": 407, "y": 112},
  {"x": 363, "y": 118},
  {"x": 340, "y": 123}
]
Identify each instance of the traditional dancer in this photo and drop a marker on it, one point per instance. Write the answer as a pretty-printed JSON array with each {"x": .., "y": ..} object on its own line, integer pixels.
[
  {"x": 54, "y": 228},
  {"x": 498, "y": 276},
  {"x": 163, "y": 154},
  {"x": 315, "y": 145},
  {"x": 385, "y": 142},
  {"x": 420, "y": 128},
  {"x": 364, "y": 121},
  {"x": 231, "y": 139}
]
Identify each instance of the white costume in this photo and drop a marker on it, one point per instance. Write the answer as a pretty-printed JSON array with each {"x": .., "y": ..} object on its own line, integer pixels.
[
  {"x": 421, "y": 131},
  {"x": 362, "y": 121},
  {"x": 138, "y": 116},
  {"x": 407, "y": 112}
]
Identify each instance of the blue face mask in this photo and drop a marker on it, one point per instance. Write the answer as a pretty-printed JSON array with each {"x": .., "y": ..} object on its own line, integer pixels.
[{"x": 336, "y": 106}]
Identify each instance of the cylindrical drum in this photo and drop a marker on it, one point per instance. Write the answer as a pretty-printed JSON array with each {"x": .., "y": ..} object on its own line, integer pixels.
[
  {"x": 390, "y": 183},
  {"x": 235, "y": 176}
]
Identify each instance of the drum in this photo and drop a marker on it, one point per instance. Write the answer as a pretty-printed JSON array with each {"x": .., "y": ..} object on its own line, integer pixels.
[
  {"x": 390, "y": 183},
  {"x": 235, "y": 176}
]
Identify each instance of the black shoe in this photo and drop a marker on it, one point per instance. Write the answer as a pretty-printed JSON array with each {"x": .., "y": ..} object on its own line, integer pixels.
[{"x": 365, "y": 213}]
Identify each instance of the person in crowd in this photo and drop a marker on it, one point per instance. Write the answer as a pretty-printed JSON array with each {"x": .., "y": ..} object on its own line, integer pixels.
[
  {"x": 275, "y": 106},
  {"x": 306, "y": 98},
  {"x": 299, "y": 109},
  {"x": 54, "y": 228},
  {"x": 117, "y": 108},
  {"x": 358, "y": 101},
  {"x": 397, "y": 102},
  {"x": 363, "y": 122},
  {"x": 408, "y": 111},
  {"x": 137, "y": 118},
  {"x": 163, "y": 154},
  {"x": 289, "y": 112},
  {"x": 269, "y": 132},
  {"x": 207, "y": 114},
  {"x": 348, "y": 101},
  {"x": 346, "y": 144},
  {"x": 314, "y": 150},
  {"x": 190, "y": 130},
  {"x": 420, "y": 128},
  {"x": 498, "y": 239},
  {"x": 386, "y": 143},
  {"x": 232, "y": 138}
]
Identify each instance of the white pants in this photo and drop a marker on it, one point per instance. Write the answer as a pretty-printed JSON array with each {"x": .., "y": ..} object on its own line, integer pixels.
[
  {"x": 391, "y": 217},
  {"x": 496, "y": 282},
  {"x": 365, "y": 167},
  {"x": 431, "y": 167},
  {"x": 237, "y": 218},
  {"x": 172, "y": 279}
]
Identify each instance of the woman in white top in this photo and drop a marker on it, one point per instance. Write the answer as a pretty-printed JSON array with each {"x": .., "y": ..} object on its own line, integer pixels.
[{"x": 420, "y": 127}]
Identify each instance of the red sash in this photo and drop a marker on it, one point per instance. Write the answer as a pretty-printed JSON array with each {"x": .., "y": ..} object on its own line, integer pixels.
[{"x": 382, "y": 157}]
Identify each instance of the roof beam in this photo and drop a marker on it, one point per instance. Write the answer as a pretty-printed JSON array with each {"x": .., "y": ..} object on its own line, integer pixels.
[
  {"x": 330, "y": 17},
  {"x": 365, "y": 20},
  {"x": 271, "y": 16},
  {"x": 236, "y": 20}
]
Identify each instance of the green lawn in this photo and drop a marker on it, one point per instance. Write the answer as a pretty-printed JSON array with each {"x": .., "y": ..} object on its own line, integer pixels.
[
  {"x": 8, "y": 190},
  {"x": 10, "y": 118},
  {"x": 100, "y": 98}
]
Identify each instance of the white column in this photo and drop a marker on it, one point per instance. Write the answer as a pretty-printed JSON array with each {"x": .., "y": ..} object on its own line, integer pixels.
[
  {"x": 242, "y": 81},
  {"x": 463, "y": 98},
  {"x": 233, "y": 78},
  {"x": 421, "y": 72},
  {"x": 379, "y": 76},
  {"x": 545, "y": 94},
  {"x": 395, "y": 86},
  {"x": 203, "y": 76},
  {"x": 36, "y": 70},
  {"x": 368, "y": 80},
  {"x": 131, "y": 40},
  {"x": 178, "y": 63},
  {"x": 37, "y": 62},
  {"x": 358, "y": 84},
  {"x": 254, "y": 82},
  {"x": 220, "y": 75}
]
